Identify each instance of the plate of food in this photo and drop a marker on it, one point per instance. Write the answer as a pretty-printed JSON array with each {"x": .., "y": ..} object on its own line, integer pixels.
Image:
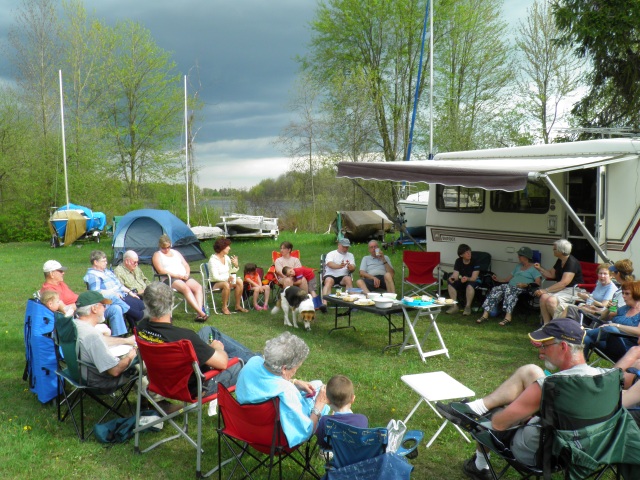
[
  {"x": 348, "y": 298},
  {"x": 364, "y": 303}
]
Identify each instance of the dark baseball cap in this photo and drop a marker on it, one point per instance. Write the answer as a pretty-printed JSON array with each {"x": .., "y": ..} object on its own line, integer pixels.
[
  {"x": 565, "y": 329},
  {"x": 91, "y": 297}
]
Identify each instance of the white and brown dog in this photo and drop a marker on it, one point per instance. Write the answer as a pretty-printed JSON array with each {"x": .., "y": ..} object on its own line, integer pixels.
[{"x": 299, "y": 302}]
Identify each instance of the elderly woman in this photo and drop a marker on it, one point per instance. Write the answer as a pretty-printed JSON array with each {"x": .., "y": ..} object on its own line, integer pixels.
[
  {"x": 622, "y": 271},
  {"x": 512, "y": 286},
  {"x": 567, "y": 273},
  {"x": 597, "y": 300},
  {"x": 625, "y": 321},
  {"x": 167, "y": 261},
  {"x": 222, "y": 271},
  {"x": 301, "y": 403},
  {"x": 100, "y": 278}
]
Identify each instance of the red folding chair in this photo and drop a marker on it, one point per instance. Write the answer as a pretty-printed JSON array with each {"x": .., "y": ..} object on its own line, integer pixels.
[
  {"x": 271, "y": 273},
  {"x": 169, "y": 367},
  {"x": 254, "y": 431},
  {"x": 421, "y": 266},
  {"x": 589, "y": 276}
]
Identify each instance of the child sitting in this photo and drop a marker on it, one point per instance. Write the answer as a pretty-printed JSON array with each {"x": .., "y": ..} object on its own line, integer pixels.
[
  {"x": 340, "y": 395},
  {"x": 254, "y": 282}
]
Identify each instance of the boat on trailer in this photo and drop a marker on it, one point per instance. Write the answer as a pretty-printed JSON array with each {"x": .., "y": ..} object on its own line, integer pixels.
[
  {"x": 238, "y": 225},
  {"x": 413, "y": 209}
]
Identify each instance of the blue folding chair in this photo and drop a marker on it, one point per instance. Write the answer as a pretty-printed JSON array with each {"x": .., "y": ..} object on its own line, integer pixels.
[{"x": 362, "y": 452}]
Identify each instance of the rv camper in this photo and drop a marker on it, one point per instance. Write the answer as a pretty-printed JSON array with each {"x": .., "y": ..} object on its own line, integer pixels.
[{"x": 501, "y": 199}]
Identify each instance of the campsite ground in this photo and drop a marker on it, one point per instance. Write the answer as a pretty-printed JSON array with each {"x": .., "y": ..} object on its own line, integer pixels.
[{"x": 35, "y": 444}]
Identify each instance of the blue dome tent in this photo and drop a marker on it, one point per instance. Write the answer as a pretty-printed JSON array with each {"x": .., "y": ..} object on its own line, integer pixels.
[{"x": 140, "y": 230}]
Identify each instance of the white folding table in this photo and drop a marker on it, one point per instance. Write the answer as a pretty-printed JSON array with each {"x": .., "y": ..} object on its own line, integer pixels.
[
  {"x": 431, "y": 312},
  {"x": 435, "y": 387}
]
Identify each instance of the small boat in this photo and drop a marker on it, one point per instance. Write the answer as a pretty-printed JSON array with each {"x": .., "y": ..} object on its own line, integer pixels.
[
  {"x": 362, "y": 225},
  {"x": 238, "y": 225},
  {"x": 73, "y": 222},
  {"x": 414, "y": 209}
]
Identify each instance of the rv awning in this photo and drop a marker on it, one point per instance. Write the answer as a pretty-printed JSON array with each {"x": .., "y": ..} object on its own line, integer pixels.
[{"x": 497, "y": 169}]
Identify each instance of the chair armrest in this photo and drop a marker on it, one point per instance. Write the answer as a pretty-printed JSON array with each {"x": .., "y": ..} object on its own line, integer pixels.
[{"x": 212, "y": 373}]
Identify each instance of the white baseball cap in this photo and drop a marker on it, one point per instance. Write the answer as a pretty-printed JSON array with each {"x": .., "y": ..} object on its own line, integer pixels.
[{"x": 52, "y": 266}]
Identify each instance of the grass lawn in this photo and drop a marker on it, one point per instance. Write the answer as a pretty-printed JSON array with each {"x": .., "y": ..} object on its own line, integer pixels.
[{"x": 35, "y": 444}]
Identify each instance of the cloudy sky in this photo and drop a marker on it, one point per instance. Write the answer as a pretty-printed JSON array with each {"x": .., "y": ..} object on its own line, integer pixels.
[{"x": 245, "y": 52}]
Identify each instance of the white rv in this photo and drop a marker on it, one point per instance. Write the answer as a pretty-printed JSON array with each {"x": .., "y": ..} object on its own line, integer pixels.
[{"x": 501, "y": 199}]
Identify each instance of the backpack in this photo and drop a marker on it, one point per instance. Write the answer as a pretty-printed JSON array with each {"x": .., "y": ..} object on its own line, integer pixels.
[{"x": 120, "y": 430}]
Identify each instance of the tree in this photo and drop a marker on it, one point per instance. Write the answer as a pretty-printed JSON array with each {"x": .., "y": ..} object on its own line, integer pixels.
[
  {"x": 474, "y": 72},
  {"x": 608, "y": 35},
  {"x": 143, "y": 115},
  {"x": 549, "y": 73}
]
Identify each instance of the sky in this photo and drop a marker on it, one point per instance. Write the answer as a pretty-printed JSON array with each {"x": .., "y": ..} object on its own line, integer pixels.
[{"x": 245, "y": 55}]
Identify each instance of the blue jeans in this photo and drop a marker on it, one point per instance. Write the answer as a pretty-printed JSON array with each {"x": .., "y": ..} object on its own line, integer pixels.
[
  {"x": 231, "y": 346},
  {"x": 612, "y": 346}
]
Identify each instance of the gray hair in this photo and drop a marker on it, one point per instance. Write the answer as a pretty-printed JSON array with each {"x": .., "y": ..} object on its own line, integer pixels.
[
  {"x": 84, "y": 311},
  {"x": 286, "y": 350},
  {"x": 372, "y": 241},
  {"x": 96, "y": 255},
  {"x": 129, "y": 254},
  {"x": 158, "y": 299},
  {"x": 563, "y": 246},
  {"x": 576, "y": 349}
]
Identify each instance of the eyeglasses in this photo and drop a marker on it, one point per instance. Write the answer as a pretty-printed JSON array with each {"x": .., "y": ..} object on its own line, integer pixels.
[{"x": 544, "y": 346}]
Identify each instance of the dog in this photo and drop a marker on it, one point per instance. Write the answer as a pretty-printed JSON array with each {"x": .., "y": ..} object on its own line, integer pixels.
[{"x": 299, "y": 302}]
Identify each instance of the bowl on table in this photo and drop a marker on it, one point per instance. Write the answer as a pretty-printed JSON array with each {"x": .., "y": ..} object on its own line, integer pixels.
[
  {"x": 373, "y": 295},
  {"x": 382, "y": 302},
  {"x": 391, "y": 296}
]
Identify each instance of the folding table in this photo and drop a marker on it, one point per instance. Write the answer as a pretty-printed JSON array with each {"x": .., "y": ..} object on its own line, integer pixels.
[
  {"x": 435, "y": 387},
  {"x": 431, "y": 312}
]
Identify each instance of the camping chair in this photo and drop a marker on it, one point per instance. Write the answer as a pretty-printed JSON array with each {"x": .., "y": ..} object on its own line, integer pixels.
[
  {"x": 421, "y": 266},
  {"x": 247, "y": 291},
  {"x": 589, "y": 277},
  {"x": 323, "y": 266},
  {"x": 484, "y": 282},
  {"x": 177, "y": 296},
  {"x": 169, "y": 368},
  {"x": 255, "y": 431},
  {"x": 362, "y": 453},
  {"x": 69, "y": 372},
  {"x": 584, "y": 438},
  {"x": 207, "y": 288}
]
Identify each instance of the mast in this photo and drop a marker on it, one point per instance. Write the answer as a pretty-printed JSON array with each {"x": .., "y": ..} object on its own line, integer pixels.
[
  {"x": 186, "y": 147},
  {"x": 64, "y": 147}
]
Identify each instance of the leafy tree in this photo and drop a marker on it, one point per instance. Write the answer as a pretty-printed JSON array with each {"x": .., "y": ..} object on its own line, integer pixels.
[
  {"x": 549, "y": 73},
  {"x": 474, "y": 72},
  {"x": 608, "y": 35},
  {"x": 143, "y": 114}
]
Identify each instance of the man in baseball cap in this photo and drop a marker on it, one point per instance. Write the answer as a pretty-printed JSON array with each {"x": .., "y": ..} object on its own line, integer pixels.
[
  {"x": 559, "y": 345},
  {"x": 52, "y": 266},
  {"x": 91, "y": 297},
  {"x": 339, "y": 265}
]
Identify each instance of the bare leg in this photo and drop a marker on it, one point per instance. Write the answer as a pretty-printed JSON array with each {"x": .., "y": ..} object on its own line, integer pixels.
[
  {"x": 328, "y": 285},
  {"x": 513, "y": 386},
  {"x": 544, "y": 299},
  {"x": 360, "y": 283},
  {"x": 183, "y": 288},
  {"x": 388, "y": 280},
  {"x": 267, "y": 293},
  {"x": 225, "y": 290},
  {"x": 238, "y": 294},
  {"x": 347, "y": 282},
  {"x": 256, "y": 294},
  {"x": 630, "y": 359},
  {"x": 453, "y": 293},
  {"x": 470, "y": 293}
]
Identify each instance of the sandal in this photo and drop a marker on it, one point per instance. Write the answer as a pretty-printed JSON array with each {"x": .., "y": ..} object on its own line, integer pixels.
[
  {"x": 202, "y": 319},
  {"x": 481, "y": 319},
  {"x": 225, "y": 311},
  {"x": 504, "y": 322},
  {"x": 241, "y": 310}
]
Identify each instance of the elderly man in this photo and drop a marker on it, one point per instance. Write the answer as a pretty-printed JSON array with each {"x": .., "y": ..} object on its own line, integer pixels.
[
  {"x": 339, "y": 265},
  {"x": 212, "y": 347},
  {"x": 376, "y": 271},
  {"x": 559, "y": 345},
  {"x": 54, "y": 280},
  {"x": 130, "y": 274},
  {"x": 106, "y": 371}
]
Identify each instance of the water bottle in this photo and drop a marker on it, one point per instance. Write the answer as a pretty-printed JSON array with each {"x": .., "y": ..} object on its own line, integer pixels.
[
  {"x": 613, "y": 308},
  {"x": 210, "y": 337}
]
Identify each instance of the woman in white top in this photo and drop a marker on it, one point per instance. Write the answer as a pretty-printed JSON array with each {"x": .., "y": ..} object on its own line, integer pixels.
[
  {"x": 222, "y": 269},
  {"x": 168, "y": 261}
]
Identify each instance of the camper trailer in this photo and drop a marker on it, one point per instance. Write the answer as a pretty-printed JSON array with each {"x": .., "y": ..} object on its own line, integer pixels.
[{"x": 498, "y": 200}]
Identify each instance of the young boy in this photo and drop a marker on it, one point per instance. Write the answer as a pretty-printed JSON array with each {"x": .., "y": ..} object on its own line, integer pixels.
[
  {"x": 341, "y": 396},
  {"x": 51, "y": 300}
]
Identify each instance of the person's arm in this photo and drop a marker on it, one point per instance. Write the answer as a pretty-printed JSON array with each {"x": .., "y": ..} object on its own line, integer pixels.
[
  {"x": 187, "y": 268},
  {"x": 454, "y": 276},
  {"x": 474, "y": 276},
  {"x": 216, "y": 273},
  {"x": 278, "y": 266},
  {"x": 565, "y": 280},
  {"x": 248, "y": 280},
  {"x": 123, "y": 364},
  {"x": 114, "y": 341},
  {"x": 157, "y": 264},
  {"x": 387, "y": 266},
  {"x": 219, "y": 359},
  {"x": 522, "y": 408}
]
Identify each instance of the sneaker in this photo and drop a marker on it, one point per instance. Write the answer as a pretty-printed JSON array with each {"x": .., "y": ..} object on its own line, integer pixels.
[
  {"x": 453, "y": 309},
  {"x": 470, "y": 470},
  {"x": 467, "y": 311},
  {"x": 458, "y": 413}
]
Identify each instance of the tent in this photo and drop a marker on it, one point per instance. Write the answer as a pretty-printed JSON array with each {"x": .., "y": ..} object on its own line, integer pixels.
[
  {"x": 139, "y": 230},
  {"x": 71, "y": 222}
]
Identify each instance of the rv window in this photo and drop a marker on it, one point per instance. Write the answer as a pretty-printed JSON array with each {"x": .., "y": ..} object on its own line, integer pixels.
[
  {"x": 459, "y": 199},
  {"x": 533, "y": 199}
]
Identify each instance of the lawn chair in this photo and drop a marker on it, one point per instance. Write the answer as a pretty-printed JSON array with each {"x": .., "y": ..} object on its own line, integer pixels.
[
  {"x": 170, "y": 366},
  {"x": 255, "y": 431},
  {"x": 247, "y": 291},
  {"x": 364, "y": 450},
  {"x": 69, "y": 372},
  {"x": 276, "y": 289},
  {"x": 421, "y": 266},
  {"x": 584, "y": 438},
  {"x": 589, "y": 277},
  {"x": 177, "y": 296}
]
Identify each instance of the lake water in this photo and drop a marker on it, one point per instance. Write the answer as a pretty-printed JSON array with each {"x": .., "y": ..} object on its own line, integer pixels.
[{"x": 273, "y": 208}]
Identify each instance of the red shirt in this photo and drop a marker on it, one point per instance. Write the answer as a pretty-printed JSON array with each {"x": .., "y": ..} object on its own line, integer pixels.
[{"x": 66, "y": 294}]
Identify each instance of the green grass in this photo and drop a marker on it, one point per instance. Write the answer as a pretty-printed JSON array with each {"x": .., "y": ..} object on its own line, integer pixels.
[{"x": 34, "y": 443}]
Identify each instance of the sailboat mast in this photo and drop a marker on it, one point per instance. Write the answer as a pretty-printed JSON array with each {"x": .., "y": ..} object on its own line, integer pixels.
[
  {"x": 431, "y": 81},
  {"x": 186, "y": 147},
  {"x": 64, "y": 146}
]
